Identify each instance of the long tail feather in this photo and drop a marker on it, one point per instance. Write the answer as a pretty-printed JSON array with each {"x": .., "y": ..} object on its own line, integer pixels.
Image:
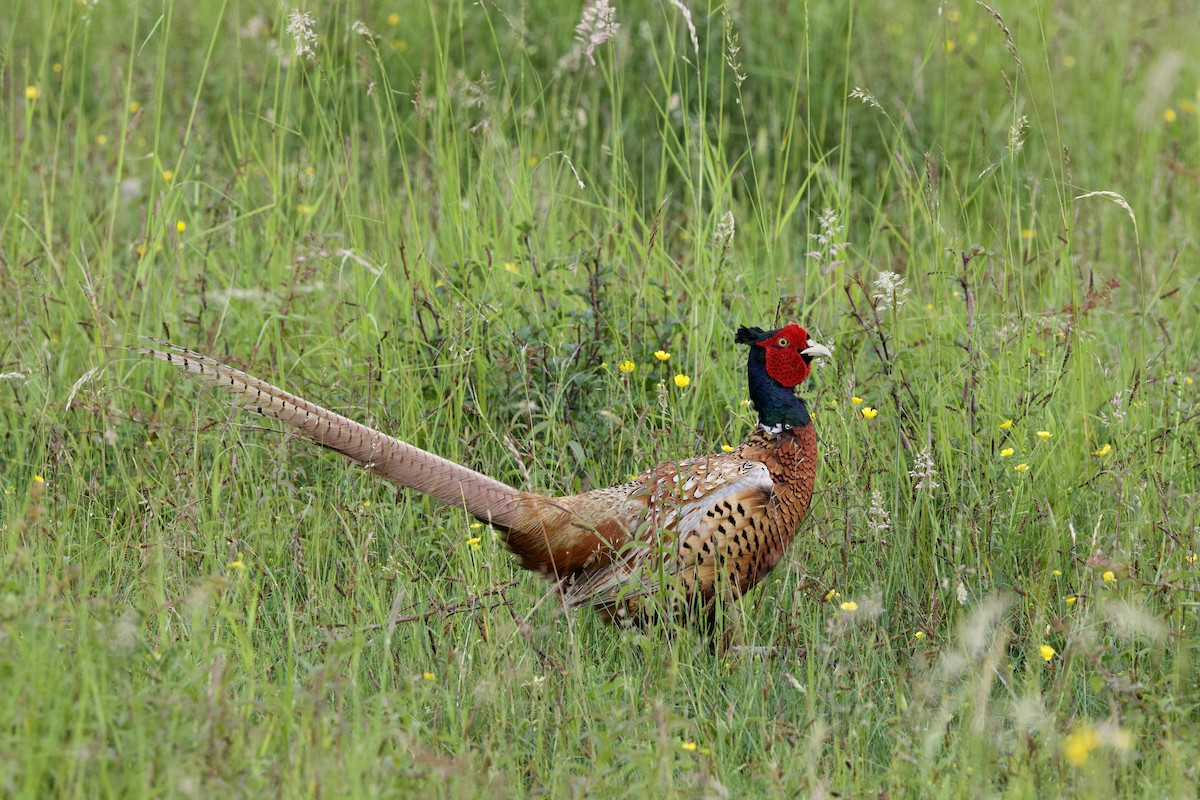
[{"x": 402, "y": 463}]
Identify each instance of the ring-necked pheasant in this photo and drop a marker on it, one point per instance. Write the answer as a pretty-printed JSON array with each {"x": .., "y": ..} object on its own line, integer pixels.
[{"x": 681, "y": 532}]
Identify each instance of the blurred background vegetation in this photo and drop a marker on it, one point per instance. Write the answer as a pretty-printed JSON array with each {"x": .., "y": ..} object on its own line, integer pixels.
[{"x": 452, "y": 222}]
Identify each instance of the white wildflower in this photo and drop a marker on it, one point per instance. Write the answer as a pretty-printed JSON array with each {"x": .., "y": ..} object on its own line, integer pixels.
[
  {"x": 1008, "y": 330},
  {"x": 866, "y": 97},
  {"x": 1118, "y": 412},
  {"x": 878, "y": 519},
  {"x": 687, "y": 17},
  {"x": 890, "y": 290},
  {"x": 1016, "y": 134},
  {"x": 478, "y": 93},
  {"x": 255, "y": 28},
  {"x": 733, "y": 48},
  {"x": 823, "y": 363},
  {"x": 830, "y": 245},
  {"x": 597, "y": 26},
  {"x": 300, "y": 27},
  {"x": 725, "y": 231},
  {"x": 924, "y": 470}
]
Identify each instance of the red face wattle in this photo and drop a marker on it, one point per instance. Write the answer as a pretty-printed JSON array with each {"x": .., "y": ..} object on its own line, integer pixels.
[{"x": 785, "y": 364}]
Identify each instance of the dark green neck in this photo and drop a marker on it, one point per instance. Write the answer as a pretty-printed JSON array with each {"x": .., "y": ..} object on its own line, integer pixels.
[{"x": 777, "y": 405}]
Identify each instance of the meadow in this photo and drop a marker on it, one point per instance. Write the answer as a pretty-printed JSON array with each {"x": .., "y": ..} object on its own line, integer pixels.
[{"x": 473, "y": 225}]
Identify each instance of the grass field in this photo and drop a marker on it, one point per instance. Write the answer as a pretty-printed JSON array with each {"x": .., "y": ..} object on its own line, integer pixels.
[{"x": 456, "y": 223}]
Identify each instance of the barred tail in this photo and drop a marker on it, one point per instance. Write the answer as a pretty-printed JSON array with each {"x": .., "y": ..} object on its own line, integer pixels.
[{"x": 402, "y": 463}]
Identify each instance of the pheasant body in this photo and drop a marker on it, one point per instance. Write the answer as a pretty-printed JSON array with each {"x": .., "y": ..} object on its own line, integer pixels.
[
  {"x": 681, "y": 533},
  {"x": 695, "y": 528}
]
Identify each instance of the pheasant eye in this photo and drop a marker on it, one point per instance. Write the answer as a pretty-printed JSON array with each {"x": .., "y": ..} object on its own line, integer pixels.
[{"x": 782, "y": 341}]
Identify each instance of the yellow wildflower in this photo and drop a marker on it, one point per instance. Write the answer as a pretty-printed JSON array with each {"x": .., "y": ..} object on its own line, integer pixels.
[
  {"x": 510, "y": 267},
  {"x": 1044, "y": 434},
  {"x": 1021, "y": 467},
  {"x": 856, "y": 400},
  {"x": 870, "y": 413},
  {"x": 31, "y": 93},
  {"x": 626, "y": 366},
  {"x": 1069, "y": 62},
  {"x": 1071, "y": 600},
  {"x": 1109, "y": 576},
  {"x": 950, "y": 46},
  {"x": 237, "y": 564},
  {"x": 38, "y": 479},
  {"x": 1006, "y": 452},
  {"x": 1190, "y": 558},
  {"x": 304, "y": 209},
  {"x": 428, "y": 675},
  {"x": 1169, "y": 115},
  {"x": 134, "y": 106},
  {"x": 832, "y": 593},
  {"x": 58, "y": 68},
  {"x": 1103, "y": 451},
  {"x": 476, "y": 526},
  {"x": 682, "y": 380},
  {"x": 101, "y": 139},
  {"x": 393, "y": 20},
  {"x": 1027, "y": 233},
  {"x": 168, "y": 175},
  {"x": 849, "y": 605},
  {"x": 726, "y": 448},
  {"x": 181, "y": 226},
  {"x": 689, "y": 746},
  {"x": 919, "y": 635},
  {"x": 1006, "y": 424},
  {"x": 1047, "y": 652},
  {"x": 1078, "y": 746},
  {"x": 1057, "y": 573},
  {"x": 661, "y": 355}
]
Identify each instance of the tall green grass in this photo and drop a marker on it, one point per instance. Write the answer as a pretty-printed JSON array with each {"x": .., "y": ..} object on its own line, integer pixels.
[{"x": 452, "y": 226}]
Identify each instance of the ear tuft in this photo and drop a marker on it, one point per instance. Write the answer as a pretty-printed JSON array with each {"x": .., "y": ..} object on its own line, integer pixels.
[{"x": 751, "y": 335}]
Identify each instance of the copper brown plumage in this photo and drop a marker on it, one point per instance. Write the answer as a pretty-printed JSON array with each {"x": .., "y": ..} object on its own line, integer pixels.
[{"x": 676, "y": 536}]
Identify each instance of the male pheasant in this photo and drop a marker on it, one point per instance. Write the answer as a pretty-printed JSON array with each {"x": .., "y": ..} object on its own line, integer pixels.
[{"x": 674, "y": 538}]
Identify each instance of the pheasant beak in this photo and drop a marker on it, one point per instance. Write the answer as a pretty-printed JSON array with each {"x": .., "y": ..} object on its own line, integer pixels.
[{"x": 815, "y": 349}]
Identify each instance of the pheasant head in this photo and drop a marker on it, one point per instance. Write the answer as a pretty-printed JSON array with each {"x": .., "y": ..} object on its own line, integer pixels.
[{"x": 779, "y": 361}]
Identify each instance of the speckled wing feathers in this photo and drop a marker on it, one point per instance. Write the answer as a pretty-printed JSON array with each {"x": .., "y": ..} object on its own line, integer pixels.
[
  {"x": 711, "y": 524},
  {"x": 653, "y": 510}
]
